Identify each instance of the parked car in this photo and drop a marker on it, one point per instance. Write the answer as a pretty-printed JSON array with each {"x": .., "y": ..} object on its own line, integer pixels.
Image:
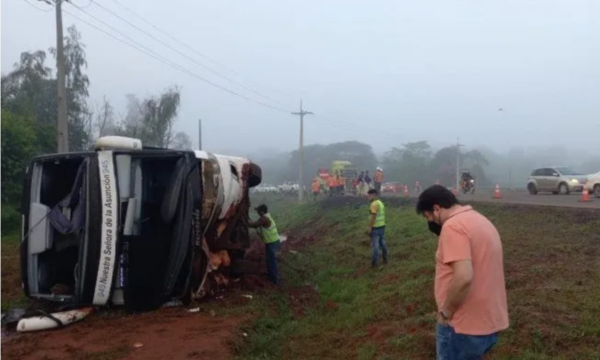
[
  {"x": 593, "y": 184},
  {"x": 130, "y": 225},
  {"x": 555, "y": 179},
  {"x": 392, "y": 187}
]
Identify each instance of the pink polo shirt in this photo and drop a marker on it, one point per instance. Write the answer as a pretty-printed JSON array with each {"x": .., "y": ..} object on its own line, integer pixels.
[{"x": 468, "y": 235}]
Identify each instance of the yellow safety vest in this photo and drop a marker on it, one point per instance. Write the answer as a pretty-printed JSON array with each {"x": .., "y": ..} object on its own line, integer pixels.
[
  {"x": 380, "y": 216},
  {"x": 270, "y": 234}
]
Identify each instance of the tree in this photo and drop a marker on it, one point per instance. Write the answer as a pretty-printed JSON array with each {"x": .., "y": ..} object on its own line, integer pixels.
[
  {"x": 105, "y": 119},
  {"x": 30, "y": 91},
  {"x": 152, "y": 119},
  {"x": 181, "y": 141},
  {"x": 77, "y": 83},
  {"x": 18, "y": 139},
  {"x": 409, "y": 163}
]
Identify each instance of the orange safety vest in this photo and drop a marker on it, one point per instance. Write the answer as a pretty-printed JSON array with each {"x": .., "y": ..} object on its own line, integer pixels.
[
  {"x": 378, "y": 176},
  {"x": 341, "y": 181},
  {"x": 315, "y": 186},
  {"x": 331, "y": 182}
]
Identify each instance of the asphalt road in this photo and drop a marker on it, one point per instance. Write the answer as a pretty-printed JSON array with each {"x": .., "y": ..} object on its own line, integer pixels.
[{"x": 523, "y": 197}]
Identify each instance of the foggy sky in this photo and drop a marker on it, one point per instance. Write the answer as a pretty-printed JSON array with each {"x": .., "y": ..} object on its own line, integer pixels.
[{"x": 381, "y": 72}]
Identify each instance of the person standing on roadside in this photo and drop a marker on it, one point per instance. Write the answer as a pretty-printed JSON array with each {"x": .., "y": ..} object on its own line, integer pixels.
[
  {"x": 367, "y": 181},
  {"x": 378, "y": 179},
  {"x": 316, "y": 188},
  {"x": 376, "y": 229},
  {"x": 470, "y": 289},
  {"x": 331, "y": 184},
  {"x": 267, "y": 231}
]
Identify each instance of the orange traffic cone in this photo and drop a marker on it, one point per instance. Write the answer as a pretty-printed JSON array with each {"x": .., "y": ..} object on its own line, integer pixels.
[
  {"x": 497, "y": 194},
  {"x": 585, "y": 195},
  {"x": 406, "y": 193}
]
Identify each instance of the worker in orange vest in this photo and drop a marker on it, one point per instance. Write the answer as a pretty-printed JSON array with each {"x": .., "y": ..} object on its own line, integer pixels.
[
  {"x": 316, "y": 188},
  {"x": 332, "y": 184},
  {"x": 378, "y": 179}
]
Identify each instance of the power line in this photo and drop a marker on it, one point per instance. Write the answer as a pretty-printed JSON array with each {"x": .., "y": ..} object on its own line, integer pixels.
[
  {"x": 191, "y": 48},
  {"x": 145, "y": 50},
  {"x": 37, "y": 8},
  {"x": 181, "y": 53}
]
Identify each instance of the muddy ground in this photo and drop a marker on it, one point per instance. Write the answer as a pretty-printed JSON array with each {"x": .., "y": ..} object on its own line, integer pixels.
[{"x": 170, "y": 333}]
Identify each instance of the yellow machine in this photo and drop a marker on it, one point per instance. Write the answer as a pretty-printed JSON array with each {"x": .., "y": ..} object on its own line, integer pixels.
[{"x": 345, "y": 169}]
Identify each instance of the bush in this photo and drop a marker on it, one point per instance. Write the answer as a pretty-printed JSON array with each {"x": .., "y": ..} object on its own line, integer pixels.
[{"x": 11, "y": 219}]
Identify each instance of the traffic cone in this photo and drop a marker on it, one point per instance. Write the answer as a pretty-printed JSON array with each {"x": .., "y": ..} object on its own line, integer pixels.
[
  {"x": 406, "y": 193},
  {"x": 585, "y": 195},
  {"x": 497, "y": 194}
]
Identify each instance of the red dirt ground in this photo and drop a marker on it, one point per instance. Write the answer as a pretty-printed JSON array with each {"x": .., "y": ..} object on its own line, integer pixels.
[{"x": 166, "y": 334}]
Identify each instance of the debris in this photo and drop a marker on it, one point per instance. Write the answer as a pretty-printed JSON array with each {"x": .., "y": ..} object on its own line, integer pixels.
[
  {"x": 245, "y": 334},
  {"x": 138, "y": 345},
  {"x": 282, "y": 238},
  {"x": 247, "y": 296},
  {"x": 213, "y": 313},
  {"x": 194, "y": 310},
  {"x": 54, "y": 320},
  {"x": 173, "y": 303},
  {"x": 293, "y": 252}
]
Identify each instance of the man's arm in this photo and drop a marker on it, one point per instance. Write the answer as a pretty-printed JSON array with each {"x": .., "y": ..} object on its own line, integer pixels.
[
  {"x": 459, "y": 288},
  {"x": 373, "y": 209},
  {"x": 455, "y": 249},
  {"x": 262, "y": 221}
]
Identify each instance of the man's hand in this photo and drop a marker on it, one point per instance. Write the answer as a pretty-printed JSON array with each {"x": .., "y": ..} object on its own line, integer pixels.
[
  {"x": 369, "y": 230},
  {"x": 443, "y": 320}
]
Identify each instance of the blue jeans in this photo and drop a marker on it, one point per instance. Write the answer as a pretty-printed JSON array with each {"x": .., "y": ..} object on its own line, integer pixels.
[
  {"x": 271, "y": 251},
  {"x": 378, "y": 242},
  {"x": 453, "y": 346}
]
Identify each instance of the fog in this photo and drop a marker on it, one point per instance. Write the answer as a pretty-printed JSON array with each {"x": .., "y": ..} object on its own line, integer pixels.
[{"x": 505, "y": 77}]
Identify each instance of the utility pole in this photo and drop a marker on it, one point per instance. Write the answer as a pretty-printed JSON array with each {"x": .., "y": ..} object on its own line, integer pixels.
[
  {"x": 62, "y": 125},
  {"x": 199, "y": 134},
  {"x": 301, "y": 113},
  {"x": 458, "y": 146}
]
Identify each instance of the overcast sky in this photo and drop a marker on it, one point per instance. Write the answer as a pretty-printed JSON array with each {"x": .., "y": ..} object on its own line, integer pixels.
[{"x": 381, "y": 72}]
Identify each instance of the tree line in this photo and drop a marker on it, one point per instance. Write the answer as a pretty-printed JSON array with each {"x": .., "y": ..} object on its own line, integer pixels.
[{"x": 29, "y": 116}]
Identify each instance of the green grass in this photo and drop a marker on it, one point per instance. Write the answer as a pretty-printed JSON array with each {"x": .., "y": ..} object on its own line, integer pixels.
[
  {"x": 12, "y": 296},
  {"x": 552, "y": 270}
]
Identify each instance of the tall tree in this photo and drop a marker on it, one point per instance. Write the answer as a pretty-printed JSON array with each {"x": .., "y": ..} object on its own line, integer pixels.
[
  {"x": 409, "y": 163},
  {"x": 77, "y": 83},
  {"x": 152, "y": 119}
]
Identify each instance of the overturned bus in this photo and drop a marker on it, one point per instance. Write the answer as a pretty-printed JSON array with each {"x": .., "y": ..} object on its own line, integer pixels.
[{"x": 133, "y": 226}]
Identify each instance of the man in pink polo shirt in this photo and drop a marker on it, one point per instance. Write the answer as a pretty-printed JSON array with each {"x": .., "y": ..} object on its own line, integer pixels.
[{"x": 470, "y": 291}]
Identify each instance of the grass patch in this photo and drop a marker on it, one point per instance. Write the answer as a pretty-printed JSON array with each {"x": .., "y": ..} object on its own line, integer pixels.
[{"x": 551, "y": 265}]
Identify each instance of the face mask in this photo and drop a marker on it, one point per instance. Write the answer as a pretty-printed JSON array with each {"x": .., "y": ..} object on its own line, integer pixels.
[{"x": 434, "y": 227}]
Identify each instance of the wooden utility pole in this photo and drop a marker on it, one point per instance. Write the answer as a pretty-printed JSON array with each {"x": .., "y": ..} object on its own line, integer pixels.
[
  {"x": 458, "y": 146},
  {"x": 301, "y": 113},
  {"x": 62, "y": 124},
  {"x": 199, "y": 134}
]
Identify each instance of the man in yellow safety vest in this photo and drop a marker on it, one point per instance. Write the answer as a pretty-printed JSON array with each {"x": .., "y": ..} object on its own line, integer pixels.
[
  {"x": 267, "y": 230},
  {"x": 377, "y": 227}
]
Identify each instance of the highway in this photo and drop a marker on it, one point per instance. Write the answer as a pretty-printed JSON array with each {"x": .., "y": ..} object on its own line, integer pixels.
[{"x": 523, "y": 197}]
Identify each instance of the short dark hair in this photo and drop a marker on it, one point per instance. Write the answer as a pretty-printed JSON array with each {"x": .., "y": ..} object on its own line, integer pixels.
[
  {"x": 435, "y": 195},
  {"x": 262, "y": 208},
  {"x": 372, "y": 192}
]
